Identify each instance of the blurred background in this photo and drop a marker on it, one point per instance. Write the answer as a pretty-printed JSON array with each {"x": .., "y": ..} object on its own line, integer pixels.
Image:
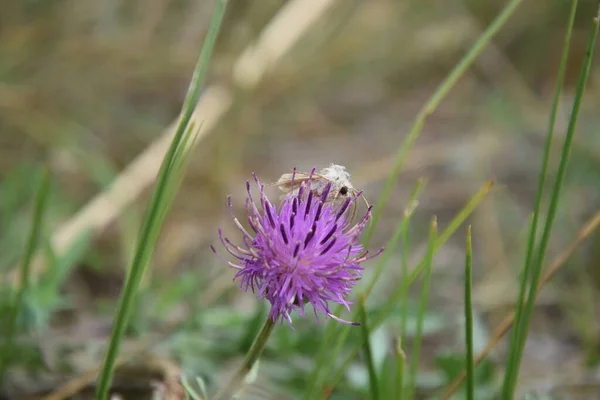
[{"x": 87, "y": 86}]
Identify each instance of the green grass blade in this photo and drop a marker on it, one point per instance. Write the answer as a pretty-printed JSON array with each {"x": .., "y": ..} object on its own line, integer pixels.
[
  {"x": 400, "y": 366},
  {"x": 514, "y": 339},
  {"x": 404, "y": 295},
  {"x": 179, "y": 165},
  {"x": 41, "y": 200},
  {"x": 416, "y": 350},
  {"x": 390, "y": 305},
  {"x": 432, "y": 104},
  {"x": 373, "y": 381},
  {"x": 469, "y": 319},
  {"x": 159, "y": 203},
  {"x": 400, "y": 232},
  {"x": 523, "y": 324},
  {"x": 405, "y": 289}
]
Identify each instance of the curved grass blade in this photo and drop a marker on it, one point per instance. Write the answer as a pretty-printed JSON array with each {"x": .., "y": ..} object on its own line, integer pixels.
[
  {"x": 159, "y": 204},
  {"x": 401, "y": 232},
  {"x": 373, "y": 380},
  {"x": 41, "y": 200},
  {"x": 416, "y": 350}
]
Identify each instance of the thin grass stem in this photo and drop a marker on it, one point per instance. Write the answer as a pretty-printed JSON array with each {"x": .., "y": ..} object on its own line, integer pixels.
[
  {"x": 469, "y": 367},
  {"x": 514, "y": 338},
  {"x": 159, "y": 204},
  {"x": 400, "y": 232},
  {"x": 400, "y": 366},
  {"x": 254, "y": 353},
  {"x": 373, "y": 381},
  {"x": 536, "y": 272},
  {"x": 41, "y": 200},
  {"x": 416, "y": 350}
]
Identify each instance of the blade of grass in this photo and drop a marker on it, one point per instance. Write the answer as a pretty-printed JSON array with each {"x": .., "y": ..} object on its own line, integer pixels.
[
  {"x": 179, "y": 165},
  {"x": 510, "y": 383},
  {"x": 469, "y": 319},
  {"x": 390, "y": 248},
  {"x": 432, "y": 104},
  {"x": 390, "y": 305},
  {"x": 41, "y": 200},
  {"x": 590, "y": 227},
  {"x": 405, "y": 272},
  {"x": 416, "y": 350},
  {"x": 406, "y": 288},
  {"x": 514, "y": 340},
  {"x": 400, "y": 365},
  {"x": 373, "y": 381},
  {"x": 159, "y": 203},
  {"x": 401, "y": 232}
]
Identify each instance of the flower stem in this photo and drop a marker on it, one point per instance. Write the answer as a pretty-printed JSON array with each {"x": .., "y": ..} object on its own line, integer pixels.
[{"x": 230, "y": 388}]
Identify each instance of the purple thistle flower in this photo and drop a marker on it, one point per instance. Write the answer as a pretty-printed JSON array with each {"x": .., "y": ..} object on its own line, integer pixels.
[{"x": 305, "y": 252}]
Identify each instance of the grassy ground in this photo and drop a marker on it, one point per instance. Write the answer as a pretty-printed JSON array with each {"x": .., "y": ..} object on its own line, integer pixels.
[{"x": 87, "y": 86}]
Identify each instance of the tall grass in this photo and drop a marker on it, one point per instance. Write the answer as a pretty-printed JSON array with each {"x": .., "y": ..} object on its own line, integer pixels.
[
  {"x": 532, "y": 270},
  {"x": 171, "y": 171},
  {"x": 514, "y": 339}
]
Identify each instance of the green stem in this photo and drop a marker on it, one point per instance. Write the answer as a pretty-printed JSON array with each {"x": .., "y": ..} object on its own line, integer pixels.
[
  {"x": 373, "y": 381},
  {"x": 32, "y": 242},
  {"x": 160, "y": 202},
  {"x": 229, "y": 389},
  {"x": 469, "y": 320},
  {"x": 400, "y": 365},
  {"x": 514, "y": 336},
  {"x": 414, "y": 362},
  {"x": 538, "y": 261}
]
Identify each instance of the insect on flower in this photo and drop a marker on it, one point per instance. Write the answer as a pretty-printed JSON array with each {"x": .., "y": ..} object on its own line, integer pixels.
[
  {"x": 335, "y": 177},
  {"x": 306, "y": 250}
]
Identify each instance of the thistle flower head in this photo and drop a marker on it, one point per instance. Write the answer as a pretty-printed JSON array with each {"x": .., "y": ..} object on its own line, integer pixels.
[{"x": 305, "y": 251}]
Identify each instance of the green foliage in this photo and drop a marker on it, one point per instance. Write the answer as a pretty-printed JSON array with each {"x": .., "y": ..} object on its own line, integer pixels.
[{"x": 169, "y": 176}]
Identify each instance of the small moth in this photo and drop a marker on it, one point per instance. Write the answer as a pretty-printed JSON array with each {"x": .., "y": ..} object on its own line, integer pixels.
[{"x": 336, "y": 175}]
